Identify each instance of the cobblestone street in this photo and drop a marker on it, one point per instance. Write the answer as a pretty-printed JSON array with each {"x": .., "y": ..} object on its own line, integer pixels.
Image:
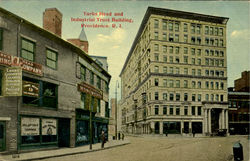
[{"x": 150, "y": 148}]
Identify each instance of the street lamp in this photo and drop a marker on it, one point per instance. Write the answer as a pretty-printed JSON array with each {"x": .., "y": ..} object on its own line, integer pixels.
[{"x": 116, "y": 86}]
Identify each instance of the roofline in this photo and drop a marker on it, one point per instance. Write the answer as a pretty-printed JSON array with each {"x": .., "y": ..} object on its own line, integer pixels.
[
  {"x": 55, "y": 37},
  {"x": 173, "y": 13},
  {"x": 98, "y": 56}
]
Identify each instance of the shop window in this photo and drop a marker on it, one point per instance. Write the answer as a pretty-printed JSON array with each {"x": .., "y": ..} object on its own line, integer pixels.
[
  {"x": 83, "y": 73},
  {"x": 51, "y": 59},
  {"x": 1, "y": 39},
  {"x": 49, "y": 95},
  {"x": 82, "y": 132},
  {"x": 197, "y": 127},
  {"x": 27, "y": 49}
]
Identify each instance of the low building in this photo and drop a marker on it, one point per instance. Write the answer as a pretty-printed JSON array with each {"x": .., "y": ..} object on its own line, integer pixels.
[
  {"x": 239, "y": 104},
  {"x": 48, "y": 87}
]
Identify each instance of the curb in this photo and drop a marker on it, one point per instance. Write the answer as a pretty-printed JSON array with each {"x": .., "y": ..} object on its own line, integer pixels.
[{"x": 74, "y": 153}]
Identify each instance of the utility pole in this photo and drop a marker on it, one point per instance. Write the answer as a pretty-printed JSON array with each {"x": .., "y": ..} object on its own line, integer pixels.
[
  {"x": 90, "y": 125},
  {"x": 117, "y": 86}
]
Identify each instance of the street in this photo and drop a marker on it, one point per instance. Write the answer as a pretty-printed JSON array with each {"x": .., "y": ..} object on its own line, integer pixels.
[{"x": 150, "y": 148}]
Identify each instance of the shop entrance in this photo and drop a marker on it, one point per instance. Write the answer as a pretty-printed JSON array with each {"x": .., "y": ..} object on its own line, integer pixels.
[
  {"x": 63, "y": 132},
  {"x": 2, "y": 136}
]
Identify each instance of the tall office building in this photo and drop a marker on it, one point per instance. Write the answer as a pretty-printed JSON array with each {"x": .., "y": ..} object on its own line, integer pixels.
[{"x": 174, "y": 79}]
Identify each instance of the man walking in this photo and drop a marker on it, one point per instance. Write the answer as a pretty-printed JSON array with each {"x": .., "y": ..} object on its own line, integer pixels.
[{"x": 103, "y": 138}]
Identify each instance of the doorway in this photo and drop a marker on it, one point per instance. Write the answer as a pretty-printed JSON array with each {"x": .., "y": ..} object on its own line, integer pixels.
[
  {"x": 64, "y": 132},
  {"x": 2, "y": 135},
  {"x": 215, "y": 114}
]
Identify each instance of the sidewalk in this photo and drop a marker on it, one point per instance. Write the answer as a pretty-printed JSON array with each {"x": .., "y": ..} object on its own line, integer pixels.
[{"x": 37, "y": 155}]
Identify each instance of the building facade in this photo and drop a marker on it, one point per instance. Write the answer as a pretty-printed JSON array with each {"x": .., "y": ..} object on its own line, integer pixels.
[
  {"x": 48, "y": 88},
  {"x": 174, "y": 79},
  {"x": 239, "y": 105}
]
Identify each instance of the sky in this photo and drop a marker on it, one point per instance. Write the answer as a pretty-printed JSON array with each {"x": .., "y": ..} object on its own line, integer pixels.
[{"x": 115, "y": 43}]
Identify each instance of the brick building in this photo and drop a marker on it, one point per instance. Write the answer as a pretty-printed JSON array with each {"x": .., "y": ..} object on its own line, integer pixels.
[
  {"x": 174, "y": 79},
  {"x": 47, "y": 87},
  {"x": 239, "y": 105}
]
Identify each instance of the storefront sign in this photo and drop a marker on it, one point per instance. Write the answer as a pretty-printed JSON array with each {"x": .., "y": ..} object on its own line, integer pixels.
[
  {"x": 49, "y": 127},
  {"x": 26, "y": 65},
  {"x": 86, "y": 88},
  {"x": 30, "y": 89},
  {"x": 29, "y": 126},
  {"x": 12, "y": 81}
]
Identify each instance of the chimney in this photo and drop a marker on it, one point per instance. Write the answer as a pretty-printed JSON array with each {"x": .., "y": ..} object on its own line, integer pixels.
[{"x": 52, "y": 21}]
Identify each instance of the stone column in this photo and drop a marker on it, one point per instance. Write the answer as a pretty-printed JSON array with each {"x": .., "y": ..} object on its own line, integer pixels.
[
  {"x": 205, "y": 122},
  {"x": 220, "y": 121},
  {"x": 209, "y": 120},
  {"x": 152, "y": 127},
  {"x": 223, "y": 118},
  {"x": 226, "y": 117},
  {"x": 182, "y": 126},
  {"x": 190, "y": 127},
  {"x": 161, "y": 127}
]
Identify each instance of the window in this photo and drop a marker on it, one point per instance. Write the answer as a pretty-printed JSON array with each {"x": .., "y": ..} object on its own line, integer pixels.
[
  {"x": 156, "y": 36},
  {"x": 156, "y": 96},
  {"x": 49, "y": 96},
  {"x": 1, "y": 77},
  {"x": 106, "y": 87},
  {"x": 165, "y": 96},
  {"x": 221, "y": 43},
  {"x": 193, "y": 51},
  {"x": 212, "y": 97},
  {"x": 193, "y": 110},
  {"x": 185, "y": 97},
  {"x": 216, "y": 42},
  {"x": 211, "y": 62},
  {"x": 185, "y": 84},
  {"x": 185, "y": 50},
  {"x": 193, "y": 40},
  {"x": 83, "y": 73},
  {"x": 176, "y": 39},
  {"x": 98, "y": 82},
  {"x": 217, "y": 85},
  {"x": 199, "y": 110},
  {"x": 185, "y": 38},
  {"x": 185, "y": 27},
  {"x": 83, "y": 100},
  {"x": 156, "y": 69},
  {"x": 165, "y": 69},
  {"x": 207, "y": 72},
  {"x": 207, "y": 52},
  {"x": 217, "y": 97},
  {"x": 156, "y": 81},
  {"x": 164, "y": 36},
  {"x": 193, "y": 97},
  {"x": 176, "y": 26},
  {"x": 156, "y": 23},
  {"x": 171, "y": 49},
  {"x": 156, "y": 57},
  {"x": 165, "y": 82},
  {"x": 211, "y": 73},
  {"x": 177, "y": 70},
  {"x": 186, "y": 59},
  {"x": 216, "y": 53},
  {"x": 164, "y": 48},
  {"x": 1, "y": 39},
  {"x": 171, "y": 59},
  {"x": 156, "y": 110},
  {"x": 171, "y": 97},
  {"x": 212, "y": 85},
  {"x": 199, "y": 97},
  {"x": 170, "y": 26},
  {"x": 28, "y": 49},
  {"x": 186, "y": 71},
  {"x": 198, "y": 29},
  {"x": 156, "y": 47},
  {"x": 199, "y": 40},
  {"x": 177, "y": 110},
  {"x": 171, "y": 110},
  {"x": 177, "y": 83},
  {"x": 193, "y": 60},
  {"x": 216, "y": 31},
  {"x": 212, "y": 42},
  {"x": 177, "y": 50},
  {"x": 192, "y": 29},
  {"x": 177, "y": 96},
  {"x": 221, "y": 63},
  {"x": 91, "y": 78},
  {"x": 193, "y": 72},
  {"x": 164, "y": 25},
  {"x": 199, "y": 62},
  {"x": 199, "y": 85},
  {"x": 177, "y": 60},
  {"x": 207, "y": 41},
  {"x": 221, "y": 85},
  {"x": 185, "y": 110},
  {"x": 206, "y": 30},
  {"x": 207, "y": 97},
  {"x": 221, "y": 54},
  {"x": 171, "y": 83},
  {"x": 165, "y": 58},
  {"x": 193, "y": 84},
  {"x": 221, "y": 32},
  {"x": 171, "y": 70},
  {"x": 164, "y": 110},
  {"x": 221, "y": 98},
  {"x": 207, "y": 61},
  {"x": 207, "y": 84},
  {"x": 211, "y": 30},
  {"x": 171, "y": 37}
]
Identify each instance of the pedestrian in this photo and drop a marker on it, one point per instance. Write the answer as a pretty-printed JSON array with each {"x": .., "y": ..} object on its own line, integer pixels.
[{"x": 103, "y": 139}]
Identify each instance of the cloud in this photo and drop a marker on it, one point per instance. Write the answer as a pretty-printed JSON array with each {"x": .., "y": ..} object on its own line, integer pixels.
[
  {"x": 116, "y": 36},
  {"x": 240, "y": 34}
]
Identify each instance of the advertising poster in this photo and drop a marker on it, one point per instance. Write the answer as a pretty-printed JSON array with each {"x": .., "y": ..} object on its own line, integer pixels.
[{"x": 177, "y": 71}]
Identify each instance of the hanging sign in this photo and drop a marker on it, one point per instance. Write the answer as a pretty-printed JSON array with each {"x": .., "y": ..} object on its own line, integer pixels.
[
  {"x": 29, "y": 126},
  {"x": 30, "y": 89},
  {"x": 12, "y": 81},
  {"x": 49, "y": 127},
  {"x": 86, "y": 88}
]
